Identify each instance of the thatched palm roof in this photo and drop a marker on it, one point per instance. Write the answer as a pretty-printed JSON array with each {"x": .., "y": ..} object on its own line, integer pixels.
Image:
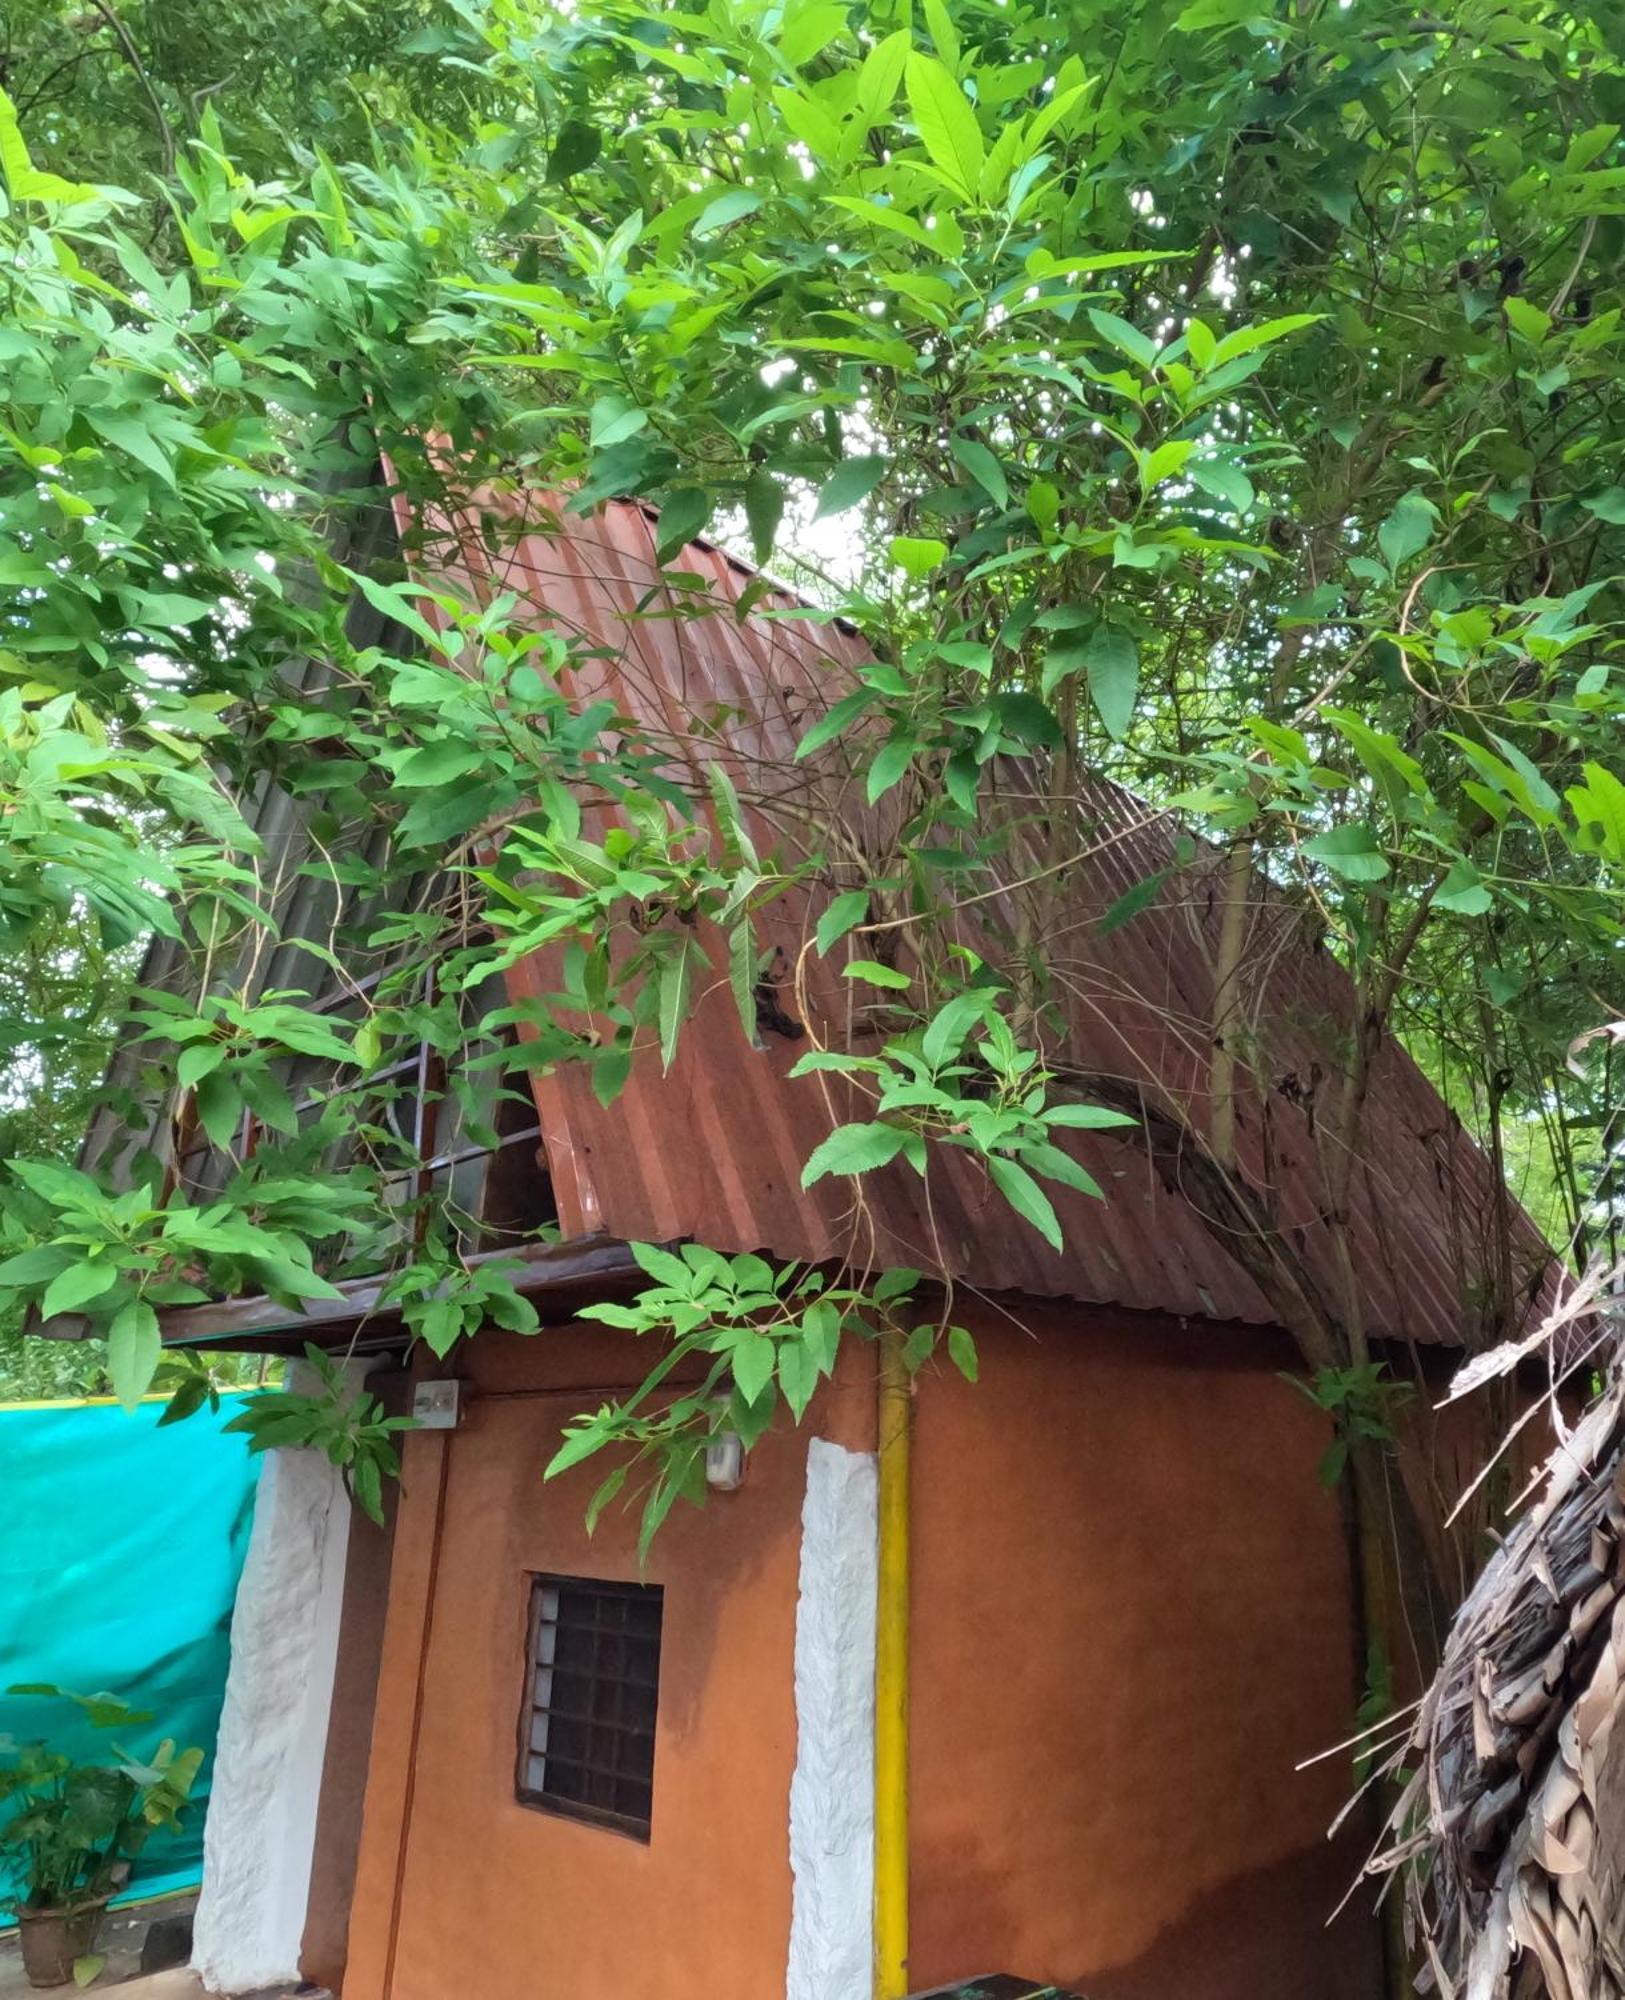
[{"x": 1509, "y": 1834}]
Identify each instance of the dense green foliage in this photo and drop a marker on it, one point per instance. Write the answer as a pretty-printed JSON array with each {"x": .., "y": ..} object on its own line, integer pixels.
[
  {"x": 70, "y": 1826},
  {"x": 1222, "y": 396}
]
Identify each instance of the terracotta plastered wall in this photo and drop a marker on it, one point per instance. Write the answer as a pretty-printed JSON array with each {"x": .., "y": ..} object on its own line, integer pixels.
[
  {"x": 1131, "y": 1621},
  {"x": 490, "y": 1897}
]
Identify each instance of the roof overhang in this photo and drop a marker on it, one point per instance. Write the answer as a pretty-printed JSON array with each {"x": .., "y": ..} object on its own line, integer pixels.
[{"x": 565, "y": 1275}]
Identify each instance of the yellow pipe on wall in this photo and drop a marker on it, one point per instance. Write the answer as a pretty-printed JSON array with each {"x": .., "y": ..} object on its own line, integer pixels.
[{"x": 895, "y": 1420}]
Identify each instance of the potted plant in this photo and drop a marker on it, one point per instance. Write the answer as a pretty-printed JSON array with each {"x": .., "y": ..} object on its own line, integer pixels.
[{"x": 73, "y": 1828}]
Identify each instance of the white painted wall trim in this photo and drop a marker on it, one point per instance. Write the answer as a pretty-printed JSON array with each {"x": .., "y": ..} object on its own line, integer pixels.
[
  {"x": 261, "y": 1828},
  {"x": 832, "y": 1792}
]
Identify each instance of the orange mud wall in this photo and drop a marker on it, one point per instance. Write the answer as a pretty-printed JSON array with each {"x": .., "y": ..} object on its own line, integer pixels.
[
  {"x": 487, "y": 1899},
  {"x": 1130, "y": 1622}
]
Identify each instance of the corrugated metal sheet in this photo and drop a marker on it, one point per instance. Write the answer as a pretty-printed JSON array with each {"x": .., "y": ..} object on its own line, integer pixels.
[{"x": 714, "y": 1149}]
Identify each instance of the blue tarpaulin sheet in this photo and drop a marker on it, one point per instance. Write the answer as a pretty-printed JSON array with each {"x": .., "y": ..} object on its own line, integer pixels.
[{"x": 121, "y": 1548}]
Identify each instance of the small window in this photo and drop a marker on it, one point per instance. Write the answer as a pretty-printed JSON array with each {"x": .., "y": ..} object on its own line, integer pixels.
[{"x": 587, "y": 1723}]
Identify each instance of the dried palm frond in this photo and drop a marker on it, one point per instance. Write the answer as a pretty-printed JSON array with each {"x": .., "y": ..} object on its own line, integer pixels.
[{"x": 1509, "y": 1832}]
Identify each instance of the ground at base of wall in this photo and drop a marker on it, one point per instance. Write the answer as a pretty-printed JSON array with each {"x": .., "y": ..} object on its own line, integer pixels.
[
  {"x": 186, "y": 1986},
  {"x": 175, "y": 1985},
  {"x": 128, "y": 1940},
  {"x": 135, "y": 1938},
  {"x": 997, "y": 1986}
]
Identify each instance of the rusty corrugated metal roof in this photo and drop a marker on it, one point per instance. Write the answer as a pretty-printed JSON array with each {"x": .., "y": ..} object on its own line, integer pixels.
[{"x": 714, "y": 1149}]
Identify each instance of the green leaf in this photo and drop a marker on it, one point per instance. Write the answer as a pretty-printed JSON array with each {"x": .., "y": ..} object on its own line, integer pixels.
[
  {"x": 742, "y": 971},
  {"x": 1110, "y": 662},
  {"x": 1395, "y": 770},
  {"x": 945, "y": 121},
  {"x": 1132, "y": 902},
  {"x": 662, "y": 1266},
  {"x": 983, "y": 467},
  {"x": 662, "y": 1498},
  {"x": 1599, "y": 811},
  {"x": 673, "y": 987},
  {"x": 1537, "y": 789},
  {"x": 849, "y": 908},
  {"x": 1129, "y": 340},
  {"x": 167, "y": 610},
  {"x": 1350, "y": 851},
  {"x": 441, "y": 763},
  {"x": 1026, "y": 1197},
  {"x": 76, "y": 1286},
  {"x": 853, "y": 1149},
  {"x": 1087, "y": 1117},
  {"x": 1463, "y": 891},
  {"x": 891, "y": 761},
  {"x": 809, "y": 30},
  {"x": 187, "y": 1400},
  {"x": 888, "y": 216},
  {"x": 133, "y": 436},
  {"x": 962, "y": 1352},
  {"x": 580, "y": 1442},
  {"x": 798, "y": 1375},
  {"x": 683, "y": 518},
  {"x": 607, "y": 1491},
  {"x": 88, "y": 1969},
  {"x": 397, "y": 606},
  {"x": 1164, "y": 462},
  {"x": 875, "y": 974},
  {"x": 575, "y": 149},
  {"x": 835, "y": 719},
  {"x": 1028, "y": 720},
  {"x": 753, "y": 1359},
  {"x": 730, "y": 207},
  {"x": 943, "y": 32},
  {"x": 1408, "y": 529},
  {"x": 441, "y": 1326},
  {"x": 1527, "y": 318},
  {"x": 764, "y": 509},
  {"x": 919, "y": 1347},
  {"x": 1225, "y": 481},
  {"x": 918, "y": 554},
  {"x": 946, "y": 1033},
  {"x": 854, "y": 479},
  {"x": 614, "y": 420},
  {"x": 881, "y": 73},
  {"x": 295, "y": 1277},
  {"x": 32, "y": 1267},
  {"x": 1055, "y": 1164},
  {"x": 72, "y": 504},
  {"x": 1044, "y": 504},
  {"x": 1609, "y": 506},
  {"x": 219, "y": 1108},
  {"x": 134, "y": 1350},
  {"x": 25, "y": 181},
  {"x": 1248, "y": 339}
]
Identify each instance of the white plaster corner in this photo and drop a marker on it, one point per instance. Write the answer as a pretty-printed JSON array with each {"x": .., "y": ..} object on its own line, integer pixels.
[
  {"x": 832, "y": 1789},
  {"x": 260, "y": 1833}
]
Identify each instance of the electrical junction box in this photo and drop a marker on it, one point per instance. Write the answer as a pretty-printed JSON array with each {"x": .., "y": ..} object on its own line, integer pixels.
[
  {"x": 725, "y": 1463},
  {"x": 438, "y": 1406}
]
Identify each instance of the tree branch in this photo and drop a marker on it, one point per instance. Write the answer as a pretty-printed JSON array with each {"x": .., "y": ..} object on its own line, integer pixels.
[{"x": 166, "y": 135}]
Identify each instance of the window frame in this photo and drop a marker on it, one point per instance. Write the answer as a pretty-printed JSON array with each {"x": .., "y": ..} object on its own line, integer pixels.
[{"x": 537, "y": 1799}]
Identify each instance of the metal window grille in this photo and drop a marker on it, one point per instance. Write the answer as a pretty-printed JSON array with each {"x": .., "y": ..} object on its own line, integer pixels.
[{"x": 587, "y": 1722}]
